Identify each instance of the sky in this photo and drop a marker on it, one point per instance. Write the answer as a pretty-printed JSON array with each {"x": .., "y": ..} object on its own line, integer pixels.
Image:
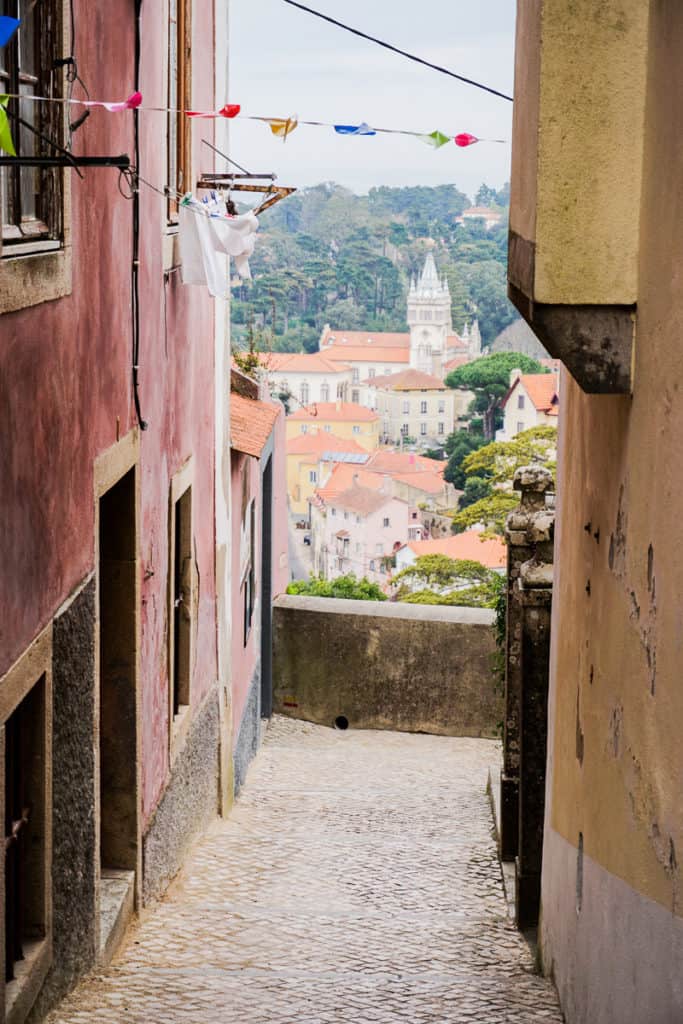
[{"x": 285, "y": 62}]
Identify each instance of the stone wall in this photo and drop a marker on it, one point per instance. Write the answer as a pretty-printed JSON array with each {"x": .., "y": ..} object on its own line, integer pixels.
[{"x": 414, "y": 668}]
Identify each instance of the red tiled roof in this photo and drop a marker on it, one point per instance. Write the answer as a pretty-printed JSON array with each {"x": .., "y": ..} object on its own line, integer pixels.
[
  {"x": 455, "y": 363},
  {"x": 404, "y": 462},
  {"x": 380, "y": 339},
  {"x": 362, "y": 354},
  {"x": 408, "y": 380},
  {"x": 343, "y": 476},
  {"x": 251, "y": 424},
  {"x": 470, "y": 545},
  {"x": 541, "y": 389},
  {"x": 300, "y": 362},
  {"x": 342, "y": 412},
  {"x": 361, "y": 500},
  {"x": 321, "y": 442},
  {"x": 430, "y": 483}
]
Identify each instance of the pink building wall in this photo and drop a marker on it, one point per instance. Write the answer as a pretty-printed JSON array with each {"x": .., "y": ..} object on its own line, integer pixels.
[{"x": 65, "y": 379}]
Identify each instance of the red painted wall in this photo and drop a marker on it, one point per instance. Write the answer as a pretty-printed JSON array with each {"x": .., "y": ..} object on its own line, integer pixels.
[{"x": 65, "y": 377}]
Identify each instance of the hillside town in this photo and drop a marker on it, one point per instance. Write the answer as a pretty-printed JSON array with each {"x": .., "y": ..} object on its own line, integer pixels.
[{"x": 362, "y": 413}]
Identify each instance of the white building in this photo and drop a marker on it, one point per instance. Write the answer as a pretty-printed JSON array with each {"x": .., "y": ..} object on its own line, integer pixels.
[
  {"x": 414, "y": 404},
  {"x": 430, "y": 345},
  {"x": 308, "y": 378},
  {"x": 532, "y": 401}
]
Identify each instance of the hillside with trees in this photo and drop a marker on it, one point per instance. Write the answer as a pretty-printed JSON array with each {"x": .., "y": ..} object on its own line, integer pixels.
[{"x": 326, "y": 255}]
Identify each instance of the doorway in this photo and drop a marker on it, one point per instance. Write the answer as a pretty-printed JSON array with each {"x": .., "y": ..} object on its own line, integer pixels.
[{"x": 267, "y": 590}]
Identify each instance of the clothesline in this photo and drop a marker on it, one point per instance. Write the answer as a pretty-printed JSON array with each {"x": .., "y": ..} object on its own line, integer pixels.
[{"x": 280, "y": 127}]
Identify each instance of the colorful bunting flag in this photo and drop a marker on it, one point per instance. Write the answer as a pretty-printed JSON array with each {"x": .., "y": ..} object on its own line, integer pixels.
[
  {"x": 8, "y": 26},
  {"x": 282, "y": 128},
  {"x": 133, "y": 101},
  {"x": 465, "y": 139},
  {"x": 229, "y": 110},
  {"x": 6, "y": 144},
  {"x": 351, "y": 129},
  {"x": 435, "y": 139}
]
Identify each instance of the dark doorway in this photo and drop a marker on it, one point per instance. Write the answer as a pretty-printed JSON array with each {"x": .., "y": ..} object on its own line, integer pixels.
[
  {"x": 267, "y": 590},
  {"x": 118, "y": 682}
]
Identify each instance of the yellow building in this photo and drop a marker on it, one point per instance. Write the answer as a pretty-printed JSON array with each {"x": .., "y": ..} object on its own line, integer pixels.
[
  {"x": 305, "y": 452},
  {"x": 596, "y": 269},
  {"x": 343, "y": 419}
]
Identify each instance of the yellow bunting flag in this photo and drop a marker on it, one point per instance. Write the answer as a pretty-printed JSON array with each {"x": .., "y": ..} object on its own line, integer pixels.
[
  {"x": 6, "y": 144},
  {"x": 281, "y": 127}
]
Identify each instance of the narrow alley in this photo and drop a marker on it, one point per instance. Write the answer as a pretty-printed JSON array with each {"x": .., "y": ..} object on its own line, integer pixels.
[{"x": 355, "y": 881}]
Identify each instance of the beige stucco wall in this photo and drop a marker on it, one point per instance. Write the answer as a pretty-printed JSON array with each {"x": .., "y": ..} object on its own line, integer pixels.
[
  {"x": 364, "y": 433},
  {"x": 616, "y": 757},
  {"x": 577, "y": 153},
  {"x": 416, "y": 668}
]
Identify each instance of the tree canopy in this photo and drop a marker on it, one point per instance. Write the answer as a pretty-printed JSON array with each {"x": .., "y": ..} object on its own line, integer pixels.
[
  {"x": 489, "y": 379},
  {"x": 348, "y": 587},
  {"x": 438, "y": 579}
]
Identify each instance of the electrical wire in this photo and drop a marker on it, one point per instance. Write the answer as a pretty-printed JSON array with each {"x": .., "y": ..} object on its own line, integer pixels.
[
  {"x": 402, "y": 53},
  {"x": 135, "y": 267}
]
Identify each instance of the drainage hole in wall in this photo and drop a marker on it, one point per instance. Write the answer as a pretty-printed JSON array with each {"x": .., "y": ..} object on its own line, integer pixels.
[{"x": 341, "y": 722}]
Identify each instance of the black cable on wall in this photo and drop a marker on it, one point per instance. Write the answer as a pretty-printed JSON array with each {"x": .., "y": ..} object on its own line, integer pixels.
[{"x": 135, "y": 268}]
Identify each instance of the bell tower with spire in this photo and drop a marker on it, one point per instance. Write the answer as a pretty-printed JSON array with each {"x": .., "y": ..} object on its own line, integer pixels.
[{"x": 429, "y": 319}]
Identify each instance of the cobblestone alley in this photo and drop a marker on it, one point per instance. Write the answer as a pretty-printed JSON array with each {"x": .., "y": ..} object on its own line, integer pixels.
[{"x": 356, "y": 881}]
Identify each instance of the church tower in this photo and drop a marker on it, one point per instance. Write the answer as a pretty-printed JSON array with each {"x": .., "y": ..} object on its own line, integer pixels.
[{"x": 429, "y": 319}]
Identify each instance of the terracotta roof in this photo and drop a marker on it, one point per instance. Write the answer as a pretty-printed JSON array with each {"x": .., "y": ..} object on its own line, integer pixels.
[
  {"x": 365, "y": 354},
  {"x": 300, "y": 362},
  {"x": 404, "y": 462},
  {"x": 251, "y": 424},
  {"x": 470, "y": 545},
  {"x": 342, "y": 412},
  {"x": 380, "y": 339},
  {"x": 430, "y": 483},
  {"x": 541, "y": 389},
  {"x": 321, "y": 442},
  {"x": 361, "y": 500},
  {"x": 408, "y": 380},
  {"x": 343, "y": 476},
  {"x": 455, "y": 363}
]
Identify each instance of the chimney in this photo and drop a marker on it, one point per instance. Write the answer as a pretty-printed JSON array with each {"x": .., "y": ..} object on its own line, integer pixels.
[
  {"x": 356, "y": 480},
  {"x": 514, "y": 375}
]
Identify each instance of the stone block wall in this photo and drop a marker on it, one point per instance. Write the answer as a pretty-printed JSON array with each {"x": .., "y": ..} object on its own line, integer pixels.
[{"x": 413, "y": 668}]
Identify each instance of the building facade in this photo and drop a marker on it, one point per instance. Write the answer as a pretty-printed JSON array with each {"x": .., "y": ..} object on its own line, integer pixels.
[
  {"x": 305, "y": 454},
  {"x": 596, "y": 248},
  {"x": 413, "y": 405},
  {"x": 532, "y": 401},
  {"x": 112, "y": 668},
  {"x": 345, "y": 420},
  {"x": 302, "y": 379}
]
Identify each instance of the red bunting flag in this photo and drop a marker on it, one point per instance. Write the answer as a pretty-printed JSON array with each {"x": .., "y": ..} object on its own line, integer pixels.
[{"x": 465, "y": 139}]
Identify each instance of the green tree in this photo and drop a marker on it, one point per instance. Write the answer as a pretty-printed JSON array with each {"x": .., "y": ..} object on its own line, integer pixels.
[
  {"x": 348, "y": 587},
  {"x": 458, "y": 446},
  {"x": 489, "y": 378},
  {"x": 476, "y": 488},
  {"x": 437, "y": 579},
  {"x": 496, "y": 463}
]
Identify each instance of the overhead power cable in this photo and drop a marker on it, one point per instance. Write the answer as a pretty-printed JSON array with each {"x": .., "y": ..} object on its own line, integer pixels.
[{"x": 395, "y": 49}]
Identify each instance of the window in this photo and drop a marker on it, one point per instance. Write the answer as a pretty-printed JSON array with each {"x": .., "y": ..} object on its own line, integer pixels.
[
  {"x": 247, "y": 559},
  {"x": 304, "y": 428},
  {"x": 333, "y": 511},
  {"x": 442, "y": 405},
  {"x": 379, "y": 548},
  {"x": 371, "y": 372},
  {"x": 355, "y": 375},
  {"x": 413, "y": 515},
  {"x": 405, "y": 428},
  {"x": 355, "y": 397},
  {"x": 312, "y": 476},
  {"x": 387, "y": 371},
  {"x": 441, "y": 430},
  {"x": 358, "y": 519},
  {"x": 324, "y": 392},
  {"x": 372, "y": 565},
  {"x": 356, "y": 429},
  {"x": 346, "y": 515},
  {"x": 406, "y": 408},
  {"x": 386, "y": 522},
  {"x": 520, "y": 401},
  {"x": 303, "y": 393},
  {"x": 179, "y": 79},
  {"x": 423, "y": 408},
  {"x": 30, "y": 198},
  {"x": 328, "y": 428},
  {"x": 520, "y": 426},
  {"x": 423, "y": 429}
]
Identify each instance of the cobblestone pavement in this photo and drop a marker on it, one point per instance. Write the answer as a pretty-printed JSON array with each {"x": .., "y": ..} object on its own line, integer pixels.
[{"x": 356, "y": 881}]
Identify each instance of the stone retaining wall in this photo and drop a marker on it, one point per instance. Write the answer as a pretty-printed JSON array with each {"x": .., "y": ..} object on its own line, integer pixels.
[{"x": 413, "y": 668}]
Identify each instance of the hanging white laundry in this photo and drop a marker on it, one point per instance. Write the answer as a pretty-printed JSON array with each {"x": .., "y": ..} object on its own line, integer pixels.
[{"x": 206, "y": 232}]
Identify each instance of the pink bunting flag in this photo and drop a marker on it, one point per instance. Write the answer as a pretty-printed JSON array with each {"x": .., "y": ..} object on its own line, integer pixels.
[
  {"x": 229, "y": 110},
  {"x": 465, "y": 139},
  {"x": 133, "y": 101}
]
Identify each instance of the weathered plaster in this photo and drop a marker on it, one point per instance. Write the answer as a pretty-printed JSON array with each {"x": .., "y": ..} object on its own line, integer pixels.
[
  {"x": 249, "y": 735},
  {"x": 414, "y": 668}
]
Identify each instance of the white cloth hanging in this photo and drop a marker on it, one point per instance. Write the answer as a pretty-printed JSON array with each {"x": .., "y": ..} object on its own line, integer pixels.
[{"x": 206, "y": 233}]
